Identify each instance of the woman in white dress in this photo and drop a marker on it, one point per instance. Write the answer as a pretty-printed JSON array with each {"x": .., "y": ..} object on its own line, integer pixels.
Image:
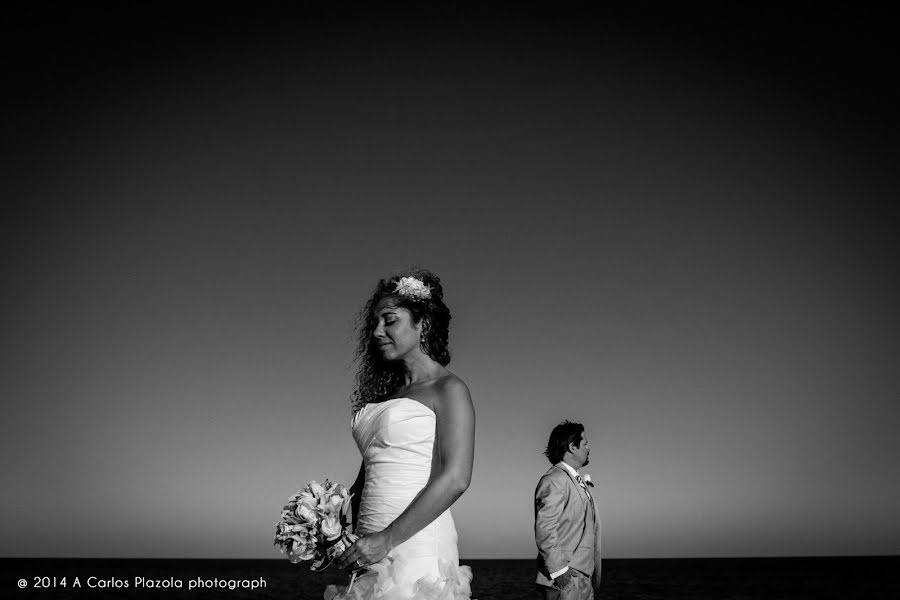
[{"x": 414, "y": 424}]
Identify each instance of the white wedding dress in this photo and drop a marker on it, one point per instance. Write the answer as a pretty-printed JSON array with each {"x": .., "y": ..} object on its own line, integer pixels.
[{"x": 396, "y": 439}]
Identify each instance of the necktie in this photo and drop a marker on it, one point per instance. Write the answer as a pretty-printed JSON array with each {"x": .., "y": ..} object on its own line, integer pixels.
[{"x": 580, "y": 482}]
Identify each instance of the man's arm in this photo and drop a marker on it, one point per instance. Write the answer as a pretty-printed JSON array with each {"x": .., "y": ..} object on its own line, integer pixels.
[{"x": 549, "y": 501}]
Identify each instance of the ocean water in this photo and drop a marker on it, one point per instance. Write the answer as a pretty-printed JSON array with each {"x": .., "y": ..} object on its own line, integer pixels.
[{"x": 844, "y": 578}]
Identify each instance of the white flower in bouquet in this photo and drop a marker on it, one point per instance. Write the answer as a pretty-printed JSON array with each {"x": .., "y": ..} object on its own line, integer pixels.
[
  {"x": 331, "y": 527},
  {"x": 307, "y": 514},
  {"x": 316, "y": 488},
  {"x": 316, "y": 524},
  {"x": 306, "y": 498}
]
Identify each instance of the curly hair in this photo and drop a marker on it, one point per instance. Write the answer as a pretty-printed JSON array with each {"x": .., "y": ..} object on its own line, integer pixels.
[
  {"x": 376, "y": 378},
  {"x": 562, "y": 435}
]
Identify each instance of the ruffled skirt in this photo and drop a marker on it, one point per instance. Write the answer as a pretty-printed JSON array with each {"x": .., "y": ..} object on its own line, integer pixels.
[
  {"x": 425, "y": 567},
  {"x": 396, "y": 579}
]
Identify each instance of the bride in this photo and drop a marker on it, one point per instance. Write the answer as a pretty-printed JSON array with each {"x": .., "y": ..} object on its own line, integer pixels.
[{"x": 415, "y": 426}]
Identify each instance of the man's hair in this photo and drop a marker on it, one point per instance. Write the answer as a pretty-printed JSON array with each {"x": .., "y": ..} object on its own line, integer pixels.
[{"x": 562, "y": 435}]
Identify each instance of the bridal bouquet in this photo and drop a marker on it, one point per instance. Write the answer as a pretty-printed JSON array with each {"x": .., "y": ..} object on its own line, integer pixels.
[{"x": 316, "y": 524}]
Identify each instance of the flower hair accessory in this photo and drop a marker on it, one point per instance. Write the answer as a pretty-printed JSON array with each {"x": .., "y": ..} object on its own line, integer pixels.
[{"x": 412, "y": 288}]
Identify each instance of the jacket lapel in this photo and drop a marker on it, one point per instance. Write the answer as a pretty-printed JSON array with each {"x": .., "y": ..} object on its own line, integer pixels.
[{"x": 578, "y": 488}]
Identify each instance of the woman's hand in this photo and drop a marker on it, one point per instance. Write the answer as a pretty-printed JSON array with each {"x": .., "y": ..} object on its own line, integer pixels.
[{"x": 367, "y": 551}]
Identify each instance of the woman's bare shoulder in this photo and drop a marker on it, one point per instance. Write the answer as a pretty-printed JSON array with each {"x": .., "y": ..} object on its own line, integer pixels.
[{"x": 450, "y": 388}]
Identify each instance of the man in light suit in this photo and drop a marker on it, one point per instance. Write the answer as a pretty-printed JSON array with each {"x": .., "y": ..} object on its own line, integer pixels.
[{"x": 566, "y": 526}]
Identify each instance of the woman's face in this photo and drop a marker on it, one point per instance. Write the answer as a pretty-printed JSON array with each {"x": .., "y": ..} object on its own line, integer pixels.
[{"x": 395, "y": 333}]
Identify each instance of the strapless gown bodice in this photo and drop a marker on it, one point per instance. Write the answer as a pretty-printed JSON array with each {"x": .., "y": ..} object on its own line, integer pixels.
[{"x": 396, "y": 439}]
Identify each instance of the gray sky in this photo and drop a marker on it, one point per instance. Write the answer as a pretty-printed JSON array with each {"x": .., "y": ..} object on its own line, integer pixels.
[{"x": 684, "y": 247}]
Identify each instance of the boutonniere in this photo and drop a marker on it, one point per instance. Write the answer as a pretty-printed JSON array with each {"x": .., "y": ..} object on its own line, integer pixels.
[{"x": 587, "y": 480}]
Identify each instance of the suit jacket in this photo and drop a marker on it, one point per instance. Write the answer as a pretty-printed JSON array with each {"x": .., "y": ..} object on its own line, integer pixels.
[{"x": 562, "y": 512}]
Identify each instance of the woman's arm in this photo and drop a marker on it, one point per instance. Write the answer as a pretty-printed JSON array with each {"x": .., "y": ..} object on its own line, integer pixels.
[{"x": 455, "y": 443}]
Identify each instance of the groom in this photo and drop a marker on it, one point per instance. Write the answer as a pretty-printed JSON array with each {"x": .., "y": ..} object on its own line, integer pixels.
[{"x": 566, "y": 527}]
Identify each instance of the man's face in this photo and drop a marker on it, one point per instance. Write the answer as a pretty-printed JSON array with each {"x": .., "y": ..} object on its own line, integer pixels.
[{"x": 581, "y": 452}]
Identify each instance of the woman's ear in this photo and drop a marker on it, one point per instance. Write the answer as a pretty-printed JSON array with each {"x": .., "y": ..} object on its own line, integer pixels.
[{"x": 424, "y": 329}]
